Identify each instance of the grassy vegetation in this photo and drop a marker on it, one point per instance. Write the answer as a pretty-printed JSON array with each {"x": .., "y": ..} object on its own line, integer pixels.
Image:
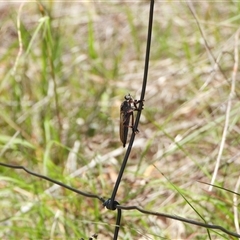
[{"x": 65, "y": 69}]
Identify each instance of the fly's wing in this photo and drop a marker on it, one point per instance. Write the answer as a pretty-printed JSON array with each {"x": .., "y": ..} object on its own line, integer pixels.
[{"x": 124, "y": 122}]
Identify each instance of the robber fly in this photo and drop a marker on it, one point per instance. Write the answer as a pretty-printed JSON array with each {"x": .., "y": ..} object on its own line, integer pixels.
[{"x": 126, "y": 112}]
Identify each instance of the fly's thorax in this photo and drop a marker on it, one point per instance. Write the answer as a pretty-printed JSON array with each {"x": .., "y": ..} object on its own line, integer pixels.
[{"x": 126, "y": 106}]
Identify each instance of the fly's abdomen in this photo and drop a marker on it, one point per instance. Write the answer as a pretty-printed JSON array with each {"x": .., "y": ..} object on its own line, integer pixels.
[
  {"x": 125, "y": 111},
  {"x": 123, "y": 129}
]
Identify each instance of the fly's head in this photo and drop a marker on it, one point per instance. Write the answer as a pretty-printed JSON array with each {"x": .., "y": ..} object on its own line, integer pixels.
[
  {"x": 128, "y": 98},
  {"x": 132, "y": 103}
]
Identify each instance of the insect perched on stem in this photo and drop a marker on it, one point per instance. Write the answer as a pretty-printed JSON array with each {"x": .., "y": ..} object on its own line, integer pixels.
[{"x": 126, "y": 112}]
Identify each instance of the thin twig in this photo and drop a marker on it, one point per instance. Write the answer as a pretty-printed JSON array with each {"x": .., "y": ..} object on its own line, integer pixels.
[
  {"x": 112, "y": 204},
  {"x": 121, "y": 207},
  {"x": 235, "y": 206},
  {"x": 234, "y": 73},
  {"x": 144, "y": 84},
  {"x": 53, "y": 181},
  {"x": 193, "y": 222},
  {"x": 229, "y": 106}
]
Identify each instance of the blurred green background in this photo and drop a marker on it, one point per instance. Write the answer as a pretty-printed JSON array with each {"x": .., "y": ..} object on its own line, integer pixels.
[{"x": 65, "y": 68}]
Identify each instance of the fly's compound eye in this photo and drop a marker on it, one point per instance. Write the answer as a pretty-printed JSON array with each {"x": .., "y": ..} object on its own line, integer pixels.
[{"x": 128, "y": 97}]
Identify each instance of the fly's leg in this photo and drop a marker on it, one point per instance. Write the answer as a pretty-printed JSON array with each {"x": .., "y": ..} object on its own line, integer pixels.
[
  {"x": 127, "y": 120},
  {"x": 131, "y": 115},
  {"x": 135, "y": 131},
  {"x": 136, "y": 108}
]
